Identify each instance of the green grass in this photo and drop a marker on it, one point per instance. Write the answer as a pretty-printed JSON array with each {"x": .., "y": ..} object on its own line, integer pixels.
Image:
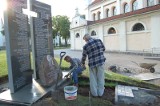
[
  {"x": 118, "y": 78},
  {"x": 61, "y": 47},
  {"x": 3, "y": 64},
  {"x": 4, "y": 69},
  {"x": 112, "y": 79},
  {"x": 64, "y": 64}
]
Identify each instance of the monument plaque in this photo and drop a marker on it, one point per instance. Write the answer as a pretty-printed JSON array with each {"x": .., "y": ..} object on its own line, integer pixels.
[
  {"x": 18, "y": 52},
  {"x": 42, "y": 31}
]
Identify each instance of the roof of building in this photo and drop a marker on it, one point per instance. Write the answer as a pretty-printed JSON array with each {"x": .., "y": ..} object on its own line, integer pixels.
[
  {"x": 95, "y": 1},
  {"x": 136, "y": 12}
]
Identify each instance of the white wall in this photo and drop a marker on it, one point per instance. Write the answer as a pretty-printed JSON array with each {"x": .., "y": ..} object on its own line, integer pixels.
[
  {"x": 155, "y": 35},
  {"x": 122, "y": 36}
]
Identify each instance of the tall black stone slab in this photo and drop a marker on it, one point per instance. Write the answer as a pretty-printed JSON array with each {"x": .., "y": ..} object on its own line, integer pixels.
[
  {"x": 42, "y": 31},
  {"x": 17, "y": 39}
]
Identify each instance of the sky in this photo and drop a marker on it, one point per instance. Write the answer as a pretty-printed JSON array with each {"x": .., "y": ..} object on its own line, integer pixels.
[
  {"x": 59, "y": 7},
  {"x": 66, "y": 7}
]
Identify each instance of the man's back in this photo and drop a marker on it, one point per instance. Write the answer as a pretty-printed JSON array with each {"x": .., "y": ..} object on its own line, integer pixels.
[{"x": 94, "y": 48}]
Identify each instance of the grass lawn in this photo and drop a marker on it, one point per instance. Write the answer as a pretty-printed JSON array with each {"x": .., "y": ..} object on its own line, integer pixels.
[
  {"x": 3, "y": 63},
  {"x": 112, "y": 78}
]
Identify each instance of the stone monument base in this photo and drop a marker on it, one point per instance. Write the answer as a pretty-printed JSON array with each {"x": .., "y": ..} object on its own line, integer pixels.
[{"x": 25, "y": 96}]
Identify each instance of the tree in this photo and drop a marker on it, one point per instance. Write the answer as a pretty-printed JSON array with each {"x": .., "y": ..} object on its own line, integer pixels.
[
  {"x": 2, "y": 32},
  {"x": 61, "y": 26}
]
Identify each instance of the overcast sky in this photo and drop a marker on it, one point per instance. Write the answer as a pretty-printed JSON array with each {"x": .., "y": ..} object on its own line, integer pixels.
[
  {"x": 60, "y": 7},
  {"x": 66, "y": 7}
]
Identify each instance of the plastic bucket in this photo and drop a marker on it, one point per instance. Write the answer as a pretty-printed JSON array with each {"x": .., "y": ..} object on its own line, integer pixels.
[{"x": 70, "y": 92}]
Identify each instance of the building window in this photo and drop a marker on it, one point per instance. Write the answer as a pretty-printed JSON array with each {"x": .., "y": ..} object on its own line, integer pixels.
[
  {"x": 111, "y": 31},
  {"x": 77, "y": 35},
  {"x": 138, "y": 27},
  {"x": 94, "y": 17},
  {"x": 93, "y": 33},
  {"x": 150, "y": 2},
  {"x": 126, "y": 8},
  {"x": 114, "y": 11},
  {"x": 107, "y": 13},
  {"x": 134, "y": 5},
  {"x": 99, "y": 15}
]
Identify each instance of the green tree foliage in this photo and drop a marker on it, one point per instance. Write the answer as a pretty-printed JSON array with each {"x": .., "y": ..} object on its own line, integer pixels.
[
  {"x": 2, "y": 32},
  {"x": 61, "y": 26}
]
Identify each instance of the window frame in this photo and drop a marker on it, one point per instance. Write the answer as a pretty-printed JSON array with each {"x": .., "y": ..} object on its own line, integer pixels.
[
  {"x": 114, "y": 11},
  {"x": 93, "y": 31},
  {"x": 134, "y": 5},
  {"x": 99, "y": 15},
  {"x": 150, "y": 3},
  {"x": 109, "y": 32},
  {"x": 77, "y": 35},
  {"x": 107, "y": 13},
  {"x": 94, "y": 16},
  {"x": 138, "y": 29},
  {"x": 125, "y": 8}
]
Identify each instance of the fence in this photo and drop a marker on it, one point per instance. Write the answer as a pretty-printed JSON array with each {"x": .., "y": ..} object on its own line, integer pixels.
[{"x": 152, "y": 51}]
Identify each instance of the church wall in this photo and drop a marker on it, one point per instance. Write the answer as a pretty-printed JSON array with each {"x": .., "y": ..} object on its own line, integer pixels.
[
  {"x": 138, "y": 41},
  {"x": 111, "y": 42},
  {"x": 125, "y": 39},
  {"x": 155, "y": 31}
]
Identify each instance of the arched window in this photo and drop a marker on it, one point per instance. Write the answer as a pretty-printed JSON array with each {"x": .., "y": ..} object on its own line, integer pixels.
[
  {"x": 126, "y": 8},
  {"x": 138, "y": 27},
  {"x": 134, "y": 5},
  {"x": 93, "y": 33},
  {"x": 114, "y": 11},
  {"x": 94, "y": 17},
  {"x": 107, "y": 13},
  {"x": 111, "y": 31},
  {"x": 77, "y": 35},
  {"x": 150, "y": 2},
  {"x": 99, "y": 15}
]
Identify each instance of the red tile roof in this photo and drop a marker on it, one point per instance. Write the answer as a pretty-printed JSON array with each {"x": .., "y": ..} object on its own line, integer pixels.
[{"x": 140, "y": 11}]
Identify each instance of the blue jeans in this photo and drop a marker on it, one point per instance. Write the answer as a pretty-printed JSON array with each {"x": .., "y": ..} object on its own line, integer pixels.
[
  {"x": 75, "y": 74},
  {"x": 97, "y": 80}
]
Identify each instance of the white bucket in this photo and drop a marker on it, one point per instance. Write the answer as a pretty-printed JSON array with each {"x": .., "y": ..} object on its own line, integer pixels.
[{"x": 70, "y": 92}]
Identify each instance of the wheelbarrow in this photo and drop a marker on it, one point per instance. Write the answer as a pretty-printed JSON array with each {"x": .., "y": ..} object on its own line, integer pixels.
[{"x": 148, "y": 66}]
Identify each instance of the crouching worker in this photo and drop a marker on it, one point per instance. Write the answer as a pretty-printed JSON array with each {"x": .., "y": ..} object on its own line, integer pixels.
[{"x": 76, "y": 68}]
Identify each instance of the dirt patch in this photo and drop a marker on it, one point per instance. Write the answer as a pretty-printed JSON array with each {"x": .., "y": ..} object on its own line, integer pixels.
[
  {"x": 109, "y": 93},
  {"x": 83, "y": 98},
  {"x": 3, "y": 79}
]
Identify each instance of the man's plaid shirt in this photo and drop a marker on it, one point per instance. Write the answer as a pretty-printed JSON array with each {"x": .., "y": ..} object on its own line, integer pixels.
[{"x": 94, "y": 48}]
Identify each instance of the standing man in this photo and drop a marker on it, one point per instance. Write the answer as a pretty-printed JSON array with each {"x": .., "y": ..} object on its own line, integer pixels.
[{"x": 94, "y": 49}]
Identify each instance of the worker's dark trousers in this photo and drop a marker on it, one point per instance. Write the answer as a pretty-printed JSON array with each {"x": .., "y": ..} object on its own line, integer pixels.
[{"x": 75, "y": 74}]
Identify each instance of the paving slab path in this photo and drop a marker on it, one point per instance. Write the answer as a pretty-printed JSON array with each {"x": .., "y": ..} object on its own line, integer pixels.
[{"x": 122, "y": 60}]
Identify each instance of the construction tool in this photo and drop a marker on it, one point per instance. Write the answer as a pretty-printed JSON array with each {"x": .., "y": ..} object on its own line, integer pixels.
[{"x": 148, "y": 66}]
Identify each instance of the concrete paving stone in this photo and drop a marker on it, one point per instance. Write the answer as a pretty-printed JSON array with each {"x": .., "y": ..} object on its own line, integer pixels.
[
  {"x": 147, "y": 76},
  {"x": 135, "y": 96}
]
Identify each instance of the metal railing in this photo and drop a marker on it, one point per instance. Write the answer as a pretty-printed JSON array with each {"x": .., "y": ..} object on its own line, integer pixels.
[{"x": 152, "y": 51}]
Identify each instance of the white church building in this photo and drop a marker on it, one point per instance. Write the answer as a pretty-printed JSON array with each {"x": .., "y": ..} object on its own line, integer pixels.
[
  {"x": 123, "y": 25},
  {"x": 2, "y": 37}
]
